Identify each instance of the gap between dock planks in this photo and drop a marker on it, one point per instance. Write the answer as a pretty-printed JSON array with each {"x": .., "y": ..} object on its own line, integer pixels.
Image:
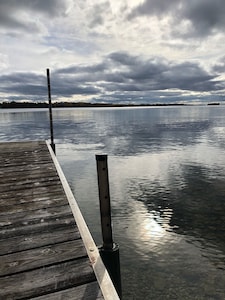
[{"x": 42, "y": 255}]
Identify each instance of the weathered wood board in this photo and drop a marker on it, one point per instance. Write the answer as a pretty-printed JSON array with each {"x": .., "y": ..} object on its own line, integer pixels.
[{"x": 42, "y": 255}]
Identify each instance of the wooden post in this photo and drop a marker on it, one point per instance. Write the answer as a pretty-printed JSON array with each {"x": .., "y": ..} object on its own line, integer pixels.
[
  {"x": 50, "y": 110},
  {"x": 109, "y": 251}
]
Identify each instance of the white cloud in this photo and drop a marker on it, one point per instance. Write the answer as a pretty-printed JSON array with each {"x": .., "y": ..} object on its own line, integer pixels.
[{"x": 59, "y": 34}]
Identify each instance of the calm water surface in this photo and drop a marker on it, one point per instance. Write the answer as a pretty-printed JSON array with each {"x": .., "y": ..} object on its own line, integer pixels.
[{"x": 167, "y": 175}]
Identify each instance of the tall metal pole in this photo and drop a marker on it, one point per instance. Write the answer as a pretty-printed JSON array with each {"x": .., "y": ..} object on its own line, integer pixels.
[
  {"x": 50, "y": 110},
  {"x": 109, "y": 251}
]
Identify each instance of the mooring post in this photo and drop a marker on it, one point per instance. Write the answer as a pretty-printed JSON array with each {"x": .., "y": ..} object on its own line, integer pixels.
[
  {"x": 50, "y": 110},
  {"x": 109, "y": 251}
]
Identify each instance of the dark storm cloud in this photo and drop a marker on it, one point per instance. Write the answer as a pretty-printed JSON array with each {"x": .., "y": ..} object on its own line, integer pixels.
[
  {"x": 123, "y": 58},
  {"x": 158, "y": 73},
  {"x": 220, "y": 66},
  {"x": 118, "y": 73},
  {"x": 67, "y": 87},
  {"x": 202, "y": 17},
  {"x": 154, "y": 7},
  {"x": 11, "y": 12},
  {"x": 31, "y": 86},
  {"x": 98, "y": 12},
  {"x": 206, "y": 16},
  {"x": 81, "y": 69},
  {"x": 22, "y": 84}
]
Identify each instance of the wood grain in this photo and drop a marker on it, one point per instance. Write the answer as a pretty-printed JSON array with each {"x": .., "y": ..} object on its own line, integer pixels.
[
  {"x": 46, "y": 279},
  {"x": 87, "y": 291},
  {"x": 42, "y": 255}
]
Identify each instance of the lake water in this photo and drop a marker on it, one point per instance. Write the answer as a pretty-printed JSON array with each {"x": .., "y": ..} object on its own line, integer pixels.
[{"x": 167, "y": 184}]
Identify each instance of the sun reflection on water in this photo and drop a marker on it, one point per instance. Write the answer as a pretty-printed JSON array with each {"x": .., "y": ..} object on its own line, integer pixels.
[{"x": 150, "y": 231}]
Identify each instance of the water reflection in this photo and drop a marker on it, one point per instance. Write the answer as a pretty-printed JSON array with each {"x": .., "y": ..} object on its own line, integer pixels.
[
  {"x": 193, "y": 207},
  {"x": 24, "y": 125},
  {"x": 167, "y": 187}
]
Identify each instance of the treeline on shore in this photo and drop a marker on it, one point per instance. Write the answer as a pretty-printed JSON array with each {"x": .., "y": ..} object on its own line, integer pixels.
[{"x": 15, "y": 104}]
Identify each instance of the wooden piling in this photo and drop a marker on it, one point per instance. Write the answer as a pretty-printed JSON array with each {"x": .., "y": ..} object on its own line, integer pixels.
[
  {"x": 104, "y": 201},
  {"x": 109, "y": 251}
]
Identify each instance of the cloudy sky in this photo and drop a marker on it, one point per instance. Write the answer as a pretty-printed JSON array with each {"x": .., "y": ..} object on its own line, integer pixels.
[{"x": 112, "y": 50}]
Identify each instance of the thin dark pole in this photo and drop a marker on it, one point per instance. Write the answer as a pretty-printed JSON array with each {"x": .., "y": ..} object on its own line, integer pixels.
[
  {"x": 50, "y": 110},
  {"x": 109, "y": 251}
]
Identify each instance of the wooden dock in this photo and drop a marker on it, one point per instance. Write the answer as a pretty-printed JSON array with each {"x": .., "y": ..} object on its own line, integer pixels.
[{"x": 46, "y": 250}]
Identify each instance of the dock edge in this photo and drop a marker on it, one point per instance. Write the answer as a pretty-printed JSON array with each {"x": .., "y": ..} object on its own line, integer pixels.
[{"x": 105, "y": 283}]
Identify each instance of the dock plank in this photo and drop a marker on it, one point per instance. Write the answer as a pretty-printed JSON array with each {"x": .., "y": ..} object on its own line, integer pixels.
[
  {"x": 47, "y": 279},
  {"x": 46, "y": 250},
  {"x": 34, "y": 240},
  {"x": 16, "y": 208},
  {"x": 87, "y": 292},
  {"x": 35, "y": 216},
  {"x": 49, "y": 225},
  {"x": 41, "y": 251},
  {"x": 30, "y": 194},
  {"x": 42, "y": 256}
]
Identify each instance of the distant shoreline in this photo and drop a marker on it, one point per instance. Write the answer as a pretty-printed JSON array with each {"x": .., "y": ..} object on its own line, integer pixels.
[{"x": 81, "y": 104}]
